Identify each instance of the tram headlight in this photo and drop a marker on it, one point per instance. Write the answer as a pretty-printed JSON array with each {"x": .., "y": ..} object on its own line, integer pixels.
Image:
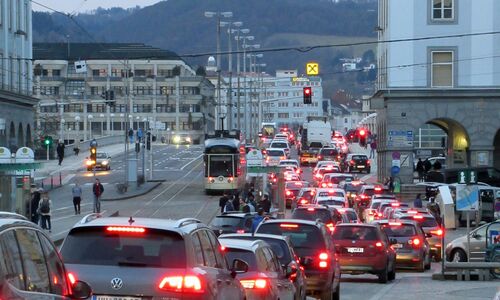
[
  {"x": 230, "y": 179},
  {"x": 211, "y": 179}
]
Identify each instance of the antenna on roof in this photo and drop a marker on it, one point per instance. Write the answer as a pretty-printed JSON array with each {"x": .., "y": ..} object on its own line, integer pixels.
[{"x": 131, "y": 221}]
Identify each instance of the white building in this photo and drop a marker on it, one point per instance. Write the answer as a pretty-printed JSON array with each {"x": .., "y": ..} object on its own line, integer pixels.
[{"x": 16, "y": 114}]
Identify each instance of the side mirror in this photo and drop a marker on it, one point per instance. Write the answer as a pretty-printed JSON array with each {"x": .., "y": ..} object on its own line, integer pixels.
[
  {"x": 239, "y": 267},
  {"x": 81, "y": 290},
  {"x": 289, "y": 271},
  {"x": 109, "y": 157},
  {"x": 476, "y": 235}
]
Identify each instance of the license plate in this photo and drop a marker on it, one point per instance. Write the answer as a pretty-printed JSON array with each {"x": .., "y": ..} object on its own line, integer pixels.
[
  {"x": 397, "y": 246},
  {"x": 361, "y": 167},
  {"x": 355, "y": 250},
  {"x": 115, "y": 298}
]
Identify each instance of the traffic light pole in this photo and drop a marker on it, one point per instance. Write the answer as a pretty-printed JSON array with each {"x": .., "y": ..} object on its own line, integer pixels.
[{"x": 48, "y": 146}]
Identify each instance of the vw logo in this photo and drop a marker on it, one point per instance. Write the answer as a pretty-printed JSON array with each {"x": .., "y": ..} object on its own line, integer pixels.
[{"x": 116, "y": 283}]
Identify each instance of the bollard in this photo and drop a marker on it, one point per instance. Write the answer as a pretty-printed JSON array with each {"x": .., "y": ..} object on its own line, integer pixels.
[
  {"x": 60, "y": 179},
  {"x": 51, "y": 182}
]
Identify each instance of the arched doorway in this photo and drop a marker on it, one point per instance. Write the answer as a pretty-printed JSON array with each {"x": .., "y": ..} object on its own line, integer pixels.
[
  {"x": 496, "y": 150},
  {"x": 20, "y": 136},
  {"x": 12, "y": 136},
  {"x": 29, "y": 140}
]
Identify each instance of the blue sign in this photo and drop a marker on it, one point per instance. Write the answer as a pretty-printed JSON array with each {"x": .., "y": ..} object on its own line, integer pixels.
[
  {"x": 467, "y": 198},
  {"x": 400, "y": 138},
  {"x": 395, "y": 170}
]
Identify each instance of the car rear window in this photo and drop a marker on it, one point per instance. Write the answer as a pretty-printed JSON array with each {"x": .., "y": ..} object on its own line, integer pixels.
[
  {"x": 279, "y": 145},
  {"x": 329, "y": 152},
  {"x": 355, "y": 233},
  {"x": 425, "y": 222},
  {"x": 312, "y": 215},
  {"x": 399, "y": 230},
  {"x": 275, "y": 153},
  {"x": 331, "y": 194},
  {"x": 245, "y": 255},
  {"x": 280, "y": 247},
  {"x": 222, "y": 221},
  {"x": 308, "y": 195},
  {"x": 336, "y": 179},
  {"x": 152, "y": 248},
  {"x": 331, "y": 202},
  {"x": 351, "y": 215},
  {"x": 302, "y": 236},
  {"x": 359, "y": 157}
]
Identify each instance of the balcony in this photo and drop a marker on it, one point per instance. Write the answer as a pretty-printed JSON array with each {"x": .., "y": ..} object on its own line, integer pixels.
[{"x": 51, "y": 78}]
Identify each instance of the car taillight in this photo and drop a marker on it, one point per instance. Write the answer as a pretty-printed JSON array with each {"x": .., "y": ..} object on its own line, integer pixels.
[
  {"x": 288, "y": 193},
  {"x": 415, "y": 242},
  {"x": 331, "y": 227},
  {"x": 289, "y": 225},
  {"x": 240, "y": 231},
  {"x": 72, "y": 278},
  {"x": 352, "y": 162},
  {"x": 368, "y": 162},
  {"x": 320, "y": 157},
  {"x": 395, "y": 204},
  {"x": 323, "y": 185},
  {"x": 318, "y": 175},
  {"x": 418, "y": 217},
  {"x": 254, "y": 283},
  {"x": 438, "y": 232},
  {"x": 394, "y": 224},
  {"x": 125, "y": 229},
  {"x": 323, "y": 260},
  {"x": 303, "y": 201},
  {"x": 379, "y": 244},
  {"x": 379, "y": 215},
  {"x": 187, "y": 283}
]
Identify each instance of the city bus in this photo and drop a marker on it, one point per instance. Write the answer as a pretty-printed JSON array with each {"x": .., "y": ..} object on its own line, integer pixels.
[{"x": 224, "y": 163}]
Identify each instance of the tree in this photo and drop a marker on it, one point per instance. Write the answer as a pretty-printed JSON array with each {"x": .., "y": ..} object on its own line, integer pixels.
[
  {"x": 200, "y": 71},
  {"x": 176, "y": 71}
]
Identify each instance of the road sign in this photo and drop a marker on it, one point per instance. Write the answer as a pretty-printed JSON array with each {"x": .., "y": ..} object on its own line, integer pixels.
[
  {"x": 396, "y": 155},
  {"x": 467, "y": 177},
  {"x": 312, "y": 69},
  {"x": 254, "y": 159},
  {"x": 405, "y": 161},
  {"x": 400, "y": 138},
  {"x": 467, "y": 198},
  {"x": 395, "y": 170},
  {"x": 260, "y": 170}
]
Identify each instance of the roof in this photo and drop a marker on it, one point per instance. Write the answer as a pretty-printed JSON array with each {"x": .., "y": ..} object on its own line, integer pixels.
[
  {"x": 227, "y": 142},
  {"x": 87, "y": 51},
  {"x": 151, "y": 223},
  {"x": 292, "y": 221},
  {"x": 255, "y": 235},
  {"x": 242, "y": 244}
]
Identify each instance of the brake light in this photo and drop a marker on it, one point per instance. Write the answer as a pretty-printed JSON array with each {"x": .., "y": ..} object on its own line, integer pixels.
[
  {"x": 288, "y": 193},
  {"x": 394, "y": 224},
  {"x": 395, "y": 204},
  {"x": 222, "y": 248},
  {"x": 72, "y": 278},
  {"x": 352, "y": 162},
  {"x": 378, "y": 189},
  {"x": 304, "y": 201},
  {"x": 289, "y": 225},
  {"x": 438, "y": 232},
  {"x": 379, "y": 244},
  {"x": 418, "y": 217},
  {"x": 415, "y": 242},
  {"x": 318, "y": 175},
  {"x": 368, "y": 162},
  {"x": 240, "y": 231},
  {"x": 323, "y": 257},
  {"x": 363, "y": 196},
  {"x": 379, "y": 215},
  {"x": 331, "y": 227},
  {"x": 187, "y": 283},
  {"x": 125, "y": 229},
  {"x": 323, "y": 185},
  {"x": 412, "y": 212},
  {"x": 320, "y": 157},
  {"x": 310, "y": 209},
  {"x": 254, "y": 283}
]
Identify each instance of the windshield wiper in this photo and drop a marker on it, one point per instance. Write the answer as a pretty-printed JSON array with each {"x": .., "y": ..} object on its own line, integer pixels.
[{"x": 133, "y": 264}]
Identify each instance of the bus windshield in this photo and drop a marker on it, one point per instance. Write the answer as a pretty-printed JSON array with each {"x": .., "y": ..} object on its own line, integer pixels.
[{"x": 220, "y": 165}]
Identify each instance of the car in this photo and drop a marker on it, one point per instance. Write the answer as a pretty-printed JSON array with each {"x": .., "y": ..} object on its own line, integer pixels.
[
  {"x": 350, "y": 213},
  {"x": 283, "y": 249},
  {"x": 292, "y": 189},
  {"x": 321, "y": 172},
  {"x": 290, "y": 162},
  {"x": 318, "y": 212},
  {"x": 324, "y": 163},
  {"x": 366, "y": 192},
  {"x": 333, "y": 179},
  {"x": 31, "y": 266},
  {"x": 365, "y": 248},
  {"x": 351, "y": 187},
  {"x": 103, "y": 162},
  {"x": 408, "y": 239},
  {"x": 265, "y": 278},
  {"x": 181, "y": 139},
  {"x": 274, "y": 156},
  {"x": 357, "y": 162},
  {"x": 328, "y": 153},
  {"x": 331, "y": 197},
  {"x": 291, "y": 176},
  {"x": 385, "y": 204},
  {"x": 153, "y": 258},
  {"x": 372, "y": 212},
  {"x": 232, "y": 222},
  {"x": 313, "y": 244},
  {"x": 281, "y": 144},
  {"x": 431, "y": 228},
  {"x": 305, "y": 196},
  {"x": 440, "y": 159},
  {"x": 456, "y": 250}
]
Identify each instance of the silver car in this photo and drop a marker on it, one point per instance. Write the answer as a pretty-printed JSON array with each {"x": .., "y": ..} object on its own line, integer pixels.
[
  {"x": 142, "y": 258},
  {"x": 456, "y": 250}
]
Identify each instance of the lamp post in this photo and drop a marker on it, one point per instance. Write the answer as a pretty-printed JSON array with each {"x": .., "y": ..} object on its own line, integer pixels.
[
  {"x": 237, "y": 38},
  {"x": 248, "y": 121},
  {"x": 61, "y": 134},
  {"x": 102, "y": 124},
  {"x": 112, "y": 115},
  {"x": 90, "y": 117},
  {"x": 77, "y": 126},
  {"x": 122, "y": 124},
  {"x": 218, "y": 15}
]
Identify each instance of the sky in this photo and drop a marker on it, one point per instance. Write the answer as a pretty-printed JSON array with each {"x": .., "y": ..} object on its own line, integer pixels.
[{"x": 70, "y": 6}]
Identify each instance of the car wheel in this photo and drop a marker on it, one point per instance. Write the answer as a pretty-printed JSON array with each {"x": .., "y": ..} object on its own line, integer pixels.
[
  {"x": 428, "y": 263},
  {"x": 383, "y": 276},
  {"x": 458, "y": 255},
  {"x": 421, "y": 266},
  {"x": 327, "y": 295}
]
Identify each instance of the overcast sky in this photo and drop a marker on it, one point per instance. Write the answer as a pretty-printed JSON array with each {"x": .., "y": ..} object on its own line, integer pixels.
[{"x": 71, "y": 6}]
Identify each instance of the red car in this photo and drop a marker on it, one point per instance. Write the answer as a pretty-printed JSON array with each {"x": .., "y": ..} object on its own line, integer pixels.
[{"x": 365, "y": 248}]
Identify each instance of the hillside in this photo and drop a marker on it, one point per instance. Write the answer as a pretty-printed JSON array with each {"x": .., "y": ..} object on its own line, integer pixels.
[{"x": 180, "y": 26}]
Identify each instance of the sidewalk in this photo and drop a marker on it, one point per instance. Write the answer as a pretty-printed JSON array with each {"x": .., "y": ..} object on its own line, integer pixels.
[{"x": 368, "y": 178}]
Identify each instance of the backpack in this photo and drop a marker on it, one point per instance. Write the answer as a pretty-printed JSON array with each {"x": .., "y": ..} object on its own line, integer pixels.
[{"x": 44, "y": 207}]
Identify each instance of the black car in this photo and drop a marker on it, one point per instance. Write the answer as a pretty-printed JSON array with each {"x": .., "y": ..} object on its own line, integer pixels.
[
  {"x": 330, "y": 217},
  {"x": 357, "y": 162},
  {"x": 232, "y": 222},
  {"x": 314, "y": 245}
]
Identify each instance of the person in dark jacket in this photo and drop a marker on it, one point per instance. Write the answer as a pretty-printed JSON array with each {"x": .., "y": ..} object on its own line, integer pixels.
[
  {"x": 35, "y": 202},
  {"x": 420, "y": 170},
  {"x": 60, "y": 151},
  {"x": 97, "y": 189},
  {"x": 265, "y": 203},
  {"x": 417, "y": 203},
  {"x": 222, "y": 201},
  {"x": 236, "y": 202}
]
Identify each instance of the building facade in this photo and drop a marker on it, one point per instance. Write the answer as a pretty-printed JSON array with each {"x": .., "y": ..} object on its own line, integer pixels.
[
  {"x": 17, "y": 113},
  {"x": 122, "y": 86},
  {"x": 438, "y": 78}
]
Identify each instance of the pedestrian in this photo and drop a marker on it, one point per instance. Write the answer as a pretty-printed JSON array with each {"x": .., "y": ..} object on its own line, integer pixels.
[
  {"x": 243, "y": 205},
  {"x": 44, "y": 209},
  {"x": 76, "y": 150},
  {"x": 222, "y": 201},
  {"x": 427, "y": 166},
  {"x": 251, "y": 207},
  {"x": 391, "y": 184},
  {"x": 251, "y": 200},
  {"x": 97, "y": 189},
  {"x": 257, "y": 219},
  {"x": 236, "y": 202},
  {"x": 60, "y": 151},
  {"x": 420, "y": 170},
  {"x": 417, "y": 203},
  {"x": 77, "y": 197},
  {"x": 229, "y": 206},
  {"x": 265, "y": 203},
  {"x": 35, "y": 202},
  {"x": 373, "y": 147}
]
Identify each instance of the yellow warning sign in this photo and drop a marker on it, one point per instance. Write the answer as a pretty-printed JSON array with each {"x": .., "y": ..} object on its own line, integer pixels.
[{"x": 312, "y": 69}]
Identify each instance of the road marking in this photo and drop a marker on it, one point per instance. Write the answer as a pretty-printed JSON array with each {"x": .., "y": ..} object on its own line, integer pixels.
[
  {"x": 190, "y": 162},
  {"x": 72, "y": 207},
  {"x": 380, "y": 294}
]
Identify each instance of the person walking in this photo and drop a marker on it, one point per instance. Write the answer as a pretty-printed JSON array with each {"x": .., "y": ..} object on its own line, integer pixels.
[
  {"x": 222, "y": 201},
  {"x": 229, "y": 206},
  {"x": 420, "y": 170},
  {"x": 44, "y": 209},
  {"x": 257, "y": 219},
  {"x": 35, "y": 202},
  {"x": 77, "y": 197},
  {"x": 236, "y": 202},
  {"x": 97, "y": 189},
  {"x": 427, "y": 166},
  {"x": 265, "y": 203},
  {"x": 373, "y": 147},
  {"x": 417, "y": 203},
  {"x": 60, "y": 151}
]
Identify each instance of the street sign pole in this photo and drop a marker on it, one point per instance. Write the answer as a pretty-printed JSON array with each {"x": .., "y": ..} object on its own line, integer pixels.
[
  {"x": 47, "y": 151},
  {"x": 468, "y": 236}
]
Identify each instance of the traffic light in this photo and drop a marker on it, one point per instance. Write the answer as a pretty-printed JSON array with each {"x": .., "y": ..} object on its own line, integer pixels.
[
  {"x": 307, "y": 95},
  {"x": 47, "y": 140},
  {"x": 109, "y": 96},
  {"x": 362, "y": 132},
  {"x": 148, "y": 140},
  {"x": 93, "y": 153},
  {"x": 362, "y": 137}
]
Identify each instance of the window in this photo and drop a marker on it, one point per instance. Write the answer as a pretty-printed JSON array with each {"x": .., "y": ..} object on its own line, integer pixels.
[
  {"x": 19, "y": 15},
  {"x": 95, "y": 73},
  {"x": 55, "y": 266},
  {"x": 197, "y": 249},
  {"x": 442, "y": 68},
  {"x": 10, "y": 261},
  {"x": 35, "y": 269},
  {"x": 443, "y": 10},
  {"x": 208, "y": 251}
]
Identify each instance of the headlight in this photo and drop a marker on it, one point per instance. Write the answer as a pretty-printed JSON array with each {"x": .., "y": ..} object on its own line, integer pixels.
[
  {"x": 188, "y": 139},
  {"x": 89, "y": 162},
  {"x": 105, "y": 162},
  {"x": 177, "y": 139}
]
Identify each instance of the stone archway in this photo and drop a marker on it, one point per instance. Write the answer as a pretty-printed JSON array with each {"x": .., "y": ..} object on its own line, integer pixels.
[
  {"x": 12, "y": 137},
  {"x": 496, "y": 150},
  {"x": 457, "y": 143},
  {"x": 29, "y": 139},
  {"x": 20, "y": 136}
]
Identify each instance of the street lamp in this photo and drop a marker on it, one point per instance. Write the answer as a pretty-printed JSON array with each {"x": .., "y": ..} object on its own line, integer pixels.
[
  {"x": 90, "y": 117},
  {"x": 61, "y": 134},
  {"x": 137, "y": 120},
  {"x": 77, "y": 139},
  {"x": 112, "y": 115},
  {"x": 102, "y": 124}
]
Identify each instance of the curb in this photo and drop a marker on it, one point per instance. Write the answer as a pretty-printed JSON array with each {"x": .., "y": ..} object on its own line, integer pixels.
[{"x": 158, "y": 183}]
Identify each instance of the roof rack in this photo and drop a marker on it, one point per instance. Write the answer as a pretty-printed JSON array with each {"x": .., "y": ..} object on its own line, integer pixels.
[
  {"x": 10, "y": 215},
  {"x": 90, "y": 217},
  {"x": 186, "y": 221}
]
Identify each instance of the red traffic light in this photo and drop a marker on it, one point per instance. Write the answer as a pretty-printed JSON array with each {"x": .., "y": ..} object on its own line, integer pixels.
[
  {"x": 307, "y": 91},
  {"x": 362, "y": 132}
]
